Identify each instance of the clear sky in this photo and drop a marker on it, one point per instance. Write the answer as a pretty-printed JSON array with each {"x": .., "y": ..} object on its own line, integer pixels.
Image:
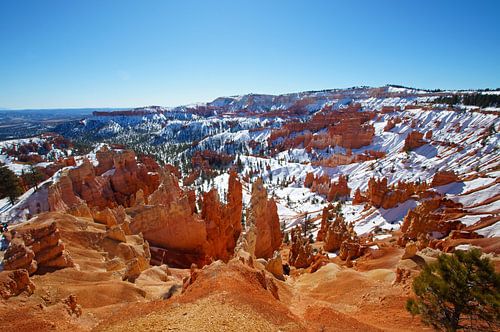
[{"x": 103, "y": 53}]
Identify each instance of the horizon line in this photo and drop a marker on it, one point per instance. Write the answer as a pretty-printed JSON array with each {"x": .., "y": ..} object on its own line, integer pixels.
[{"x": 246, "y": 94}]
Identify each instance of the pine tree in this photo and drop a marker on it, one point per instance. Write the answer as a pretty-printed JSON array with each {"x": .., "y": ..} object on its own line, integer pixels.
[
  {"x": 459, "y": 291},
  {"x": 34, "y": 177},
  {"x": 10, "y": 185}
]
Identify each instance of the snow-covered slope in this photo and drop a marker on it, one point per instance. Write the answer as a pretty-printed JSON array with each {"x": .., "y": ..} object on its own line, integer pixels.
[{"x": 462, "y": 139}]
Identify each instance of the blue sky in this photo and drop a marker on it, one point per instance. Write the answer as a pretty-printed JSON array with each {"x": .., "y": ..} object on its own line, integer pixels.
[{"x": 124, "y": 53}]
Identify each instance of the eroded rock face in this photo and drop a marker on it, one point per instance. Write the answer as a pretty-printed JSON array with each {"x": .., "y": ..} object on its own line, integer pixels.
[
  {"x": 443, "y": 177},
  {"x": 137, "y": 256},
  {"x": 168, "y": 222},
  {"x": 347, "y": 128},
  {"x": 37, "y": 247},
  {"x": 379, "y": 194},
  {"x": 324, "y": 186},
  {"x": 358, "y": 197},
  {"x": 223, "y": 221},
  {"x": 308, "y": 181},
  {"x": 342, "y": 237},
  {"x": 325, "y": 218},
  {"x": 350, "y": 249},
  {"x": 336, "y": 233},
  {"x": 275, "y": 266},
  {"x": 414, "y": 140},
  {"x": 263, "y": 214},
  {"x": 13, "y": 283},
  {"x": 392, "y": 123},
  {"x": 117, "y": 180},
  {"x": 434, "y": 216},
  {"x": 376, "y": 192},
  {"x": 301, "y": 255},
  {"x": 339, "y": 189}
]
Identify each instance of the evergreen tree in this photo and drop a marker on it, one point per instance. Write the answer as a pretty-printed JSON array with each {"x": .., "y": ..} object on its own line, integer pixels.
[
  {"x": 33, "y": 177},
  {"x": 459, "y": 291},
  {"x": 10, "y": 185}
]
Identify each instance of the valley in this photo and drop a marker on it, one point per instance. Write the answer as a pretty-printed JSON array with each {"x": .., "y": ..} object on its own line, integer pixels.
[{"x": 304, "y": 211}]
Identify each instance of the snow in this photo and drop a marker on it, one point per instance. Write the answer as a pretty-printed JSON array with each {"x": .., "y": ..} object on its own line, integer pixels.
[
  {"x": 490, "y": 231},
  {"x": 234, "y": 127},
  {"x": 478, "y": 197},
  {"x": 470, "y": 220},
  {"x": 463, "y": 247},
  {"x": 388, "y": 219}
]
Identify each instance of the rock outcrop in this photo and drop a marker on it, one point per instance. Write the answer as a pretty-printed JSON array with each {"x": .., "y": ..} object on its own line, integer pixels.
[
  {"x": 339, "y": 190},
  {"x": 434, "y": 217},
  {"x": 414, "y": 140},
  {"x": 342, "y": 237},
  {"x": 263, "y": 214},
  {"x": 37, "y": 247},
  {"x": 223, "y": 222},
  {"x": 350, "y": 249},
  {"x": 443, "y": 177},
  {"x": 336, "y": 233},
  {"x": 326, "y": 216},
  {"x": 117, "y": 180},
  {"x": 301, "y": 255},
  {"x": 13, "y": 283},
  {"x": 347, "y": 128},
  {"x": 324, "y": 186},
  {"x": 410, "y": 250},
  {"x": 275, "y": 266},
  {"x": 358, "y": 197},
  {"x": 168, "y": 222},
  {"x": 392, "y": 123},
  {"x": 379, "y": 194}
]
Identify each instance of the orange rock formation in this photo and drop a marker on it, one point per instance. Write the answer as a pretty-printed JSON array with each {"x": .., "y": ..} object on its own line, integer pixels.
[
  {"x": 37, "y": 248},
  {"x": 263, "y": 214},
  {"x": 301, "y": 255},
  {"x": 223, "y": 222},
  {"x": 431, "y": 216},
  {"x": 443, "y": 177},
  {"x": 414, "y": 140}
]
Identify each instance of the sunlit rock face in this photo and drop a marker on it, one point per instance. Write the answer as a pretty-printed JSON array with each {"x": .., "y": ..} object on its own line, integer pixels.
[
  {"x": 223, "y": 221},
  {"x": 414, "y": 140},
  {"x": 431, "y": 216},
  {"x": 264, "y": 215},
  {"x": 444, "y": 177},
  {"x": 37, "y": 247}
]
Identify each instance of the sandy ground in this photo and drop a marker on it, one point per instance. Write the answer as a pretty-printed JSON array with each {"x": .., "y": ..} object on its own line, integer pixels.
[{"x": 224, "y": 297}]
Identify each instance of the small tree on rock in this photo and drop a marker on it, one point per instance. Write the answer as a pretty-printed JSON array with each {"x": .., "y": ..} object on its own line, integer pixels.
[{"x": 459, "y": 291}]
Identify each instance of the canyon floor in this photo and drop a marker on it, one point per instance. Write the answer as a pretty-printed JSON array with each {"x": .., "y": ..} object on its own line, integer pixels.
[{"x": 224, "y": 297}]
